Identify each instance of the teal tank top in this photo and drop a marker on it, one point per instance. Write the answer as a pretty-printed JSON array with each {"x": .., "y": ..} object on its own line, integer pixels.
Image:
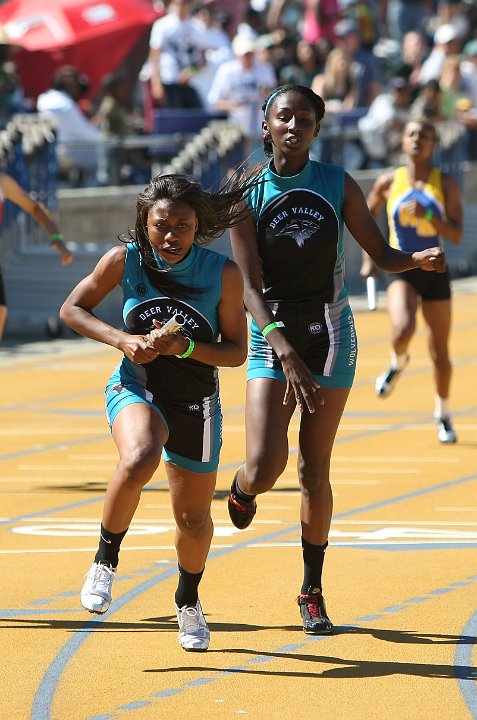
[
  {"x": 168, "y": 376},
  {"x": 300, "y": 234}
]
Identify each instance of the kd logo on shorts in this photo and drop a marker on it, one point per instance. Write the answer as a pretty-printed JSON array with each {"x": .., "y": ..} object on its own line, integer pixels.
[{"x": 315, "y": 328}]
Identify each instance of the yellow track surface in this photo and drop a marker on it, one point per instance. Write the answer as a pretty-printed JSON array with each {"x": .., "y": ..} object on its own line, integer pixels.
[{"x": 400, "y": 576}]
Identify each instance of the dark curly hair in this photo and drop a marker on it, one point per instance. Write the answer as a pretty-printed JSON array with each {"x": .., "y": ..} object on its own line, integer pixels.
[
  {"x": 216, "y": 211},
  {"x": 315, "y": 101}
]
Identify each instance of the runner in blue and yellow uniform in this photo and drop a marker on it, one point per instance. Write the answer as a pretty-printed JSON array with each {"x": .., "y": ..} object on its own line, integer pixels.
[
  {"x": 304, "y": 348},
  {"x": 422, "y": 206},
  {"x": 163, "y": 398}
]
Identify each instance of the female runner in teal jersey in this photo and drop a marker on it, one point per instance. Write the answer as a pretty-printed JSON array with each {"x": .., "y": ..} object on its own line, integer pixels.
[
  {"x": 163, "y": 398},
  {"x": 303, "y": 348},
  {"x": 423, "y": 205}
]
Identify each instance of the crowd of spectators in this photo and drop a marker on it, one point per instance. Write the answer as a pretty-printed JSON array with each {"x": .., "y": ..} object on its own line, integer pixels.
[{"x": 375, "y": 63}]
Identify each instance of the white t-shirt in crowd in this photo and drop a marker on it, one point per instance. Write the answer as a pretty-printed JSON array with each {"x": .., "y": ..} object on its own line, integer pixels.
[
  {"x": 179, "y": 43},
  {"x": 247, "y": 88}
]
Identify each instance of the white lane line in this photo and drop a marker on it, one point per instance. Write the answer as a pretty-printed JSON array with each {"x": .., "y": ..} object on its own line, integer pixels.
[
  {"x": 438, "y": 523},
  {"x": 20, "y": 430},
  {"x": 456, "y": 509},
  {"x": 374, "y": 470},
  {"x": 61, "y": 467},
  {"x": 392, "y": 459},
  {"x": 168, "y": 521}
]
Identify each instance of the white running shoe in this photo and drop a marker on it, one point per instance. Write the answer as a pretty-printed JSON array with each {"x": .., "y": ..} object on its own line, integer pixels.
[
  {"x": 445, "y": 431},
  {"x": 96, "y": 592},
  {"x": 386, "y": 382},
  {"x": 193, "y": 631}
]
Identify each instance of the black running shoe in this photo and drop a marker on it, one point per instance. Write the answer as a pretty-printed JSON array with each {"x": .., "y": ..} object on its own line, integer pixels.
[
  {"x": 240, "y": 513},
  {"x": 313, "y": 614}
]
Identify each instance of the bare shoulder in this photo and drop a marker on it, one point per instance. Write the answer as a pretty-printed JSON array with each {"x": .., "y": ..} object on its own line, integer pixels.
[
  {"x": 112, "y": 263},
  {"x": 231, "y": 272}
]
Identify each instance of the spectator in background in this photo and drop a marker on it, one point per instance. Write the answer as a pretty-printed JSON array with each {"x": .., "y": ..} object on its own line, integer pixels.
[
  {"x": 406, "y": 15},
  {"x": 368, "y": 16},
  {"x": 240, "y": 87},
  {"x": 320, "y": 19},
  {"x": 468, "y": 68},
  {"x": 12, "y": 94},
  {"x": 337, "y": 84},
  {"x": 304, "y": 68},
  {"x": 414, "y": 50},
  {"x": 117, "y": 119},
  {"x": 253, "y": 24},
  {"x": 447, "y": 41},
  {"x": 235, "y": 9},
  {"x": 381, "y": 128},
  {"x": 176, "y": 53},
  {"x": 365, "y": 65},
  {"x": 456, "y": 107},
  {"x": 454, "y": 95},
  {"x": 210, "y": 28},
  {"x": 285, "y": 15},
  {"x": 428, "y": 103},
  {"x": 77, "y": 137}
]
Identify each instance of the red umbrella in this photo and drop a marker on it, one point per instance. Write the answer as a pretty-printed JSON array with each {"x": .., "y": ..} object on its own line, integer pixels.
[{"x": 93, "y": 35}]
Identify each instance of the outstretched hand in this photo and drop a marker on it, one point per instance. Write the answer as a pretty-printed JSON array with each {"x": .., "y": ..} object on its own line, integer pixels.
[{"x": 430, "y": 259}]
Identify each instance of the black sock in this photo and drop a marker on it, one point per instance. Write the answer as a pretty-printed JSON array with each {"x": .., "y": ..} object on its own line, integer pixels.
[
  {"x": 187, "y": 592},
  {"x": 108, "y": 550},
  {"x": 241, "y": 496},
  {"x": 313, "y": 558}
]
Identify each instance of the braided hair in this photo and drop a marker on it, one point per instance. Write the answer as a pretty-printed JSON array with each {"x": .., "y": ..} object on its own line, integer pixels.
[{"x": 315, "y": 101}]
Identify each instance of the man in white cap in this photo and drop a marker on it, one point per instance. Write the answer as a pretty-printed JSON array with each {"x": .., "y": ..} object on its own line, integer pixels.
[
  {"x": 447, "y": 41},
  {"x": 240, "y": 87}
]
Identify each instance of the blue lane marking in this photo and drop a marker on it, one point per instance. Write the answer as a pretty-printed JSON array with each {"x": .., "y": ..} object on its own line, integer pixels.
[
  {"x": 135, "y": 705},
  {"x": 42, "y": 703},
  {"x": 41, "y": 709},
  {"x": 463, "y": 659},
  {"x": 199, "y": 681},
  {"x": 34, "y": 613},
  {"x": 168, "y": 693},
  {"x": 463, "y": 665}
]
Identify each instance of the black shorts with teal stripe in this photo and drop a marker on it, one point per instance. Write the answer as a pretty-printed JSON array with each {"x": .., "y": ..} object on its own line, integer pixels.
[
  {"x": 194, "y": 425},
  {"x": 323, "y": 335}
]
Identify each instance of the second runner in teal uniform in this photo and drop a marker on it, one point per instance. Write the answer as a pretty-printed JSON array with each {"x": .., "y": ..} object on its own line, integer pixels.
[{"x": 304, "y": 347}]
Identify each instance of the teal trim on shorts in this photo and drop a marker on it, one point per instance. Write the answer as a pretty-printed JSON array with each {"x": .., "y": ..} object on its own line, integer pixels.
[
  {"x": 192, "y": 465},
  {"x": 336, "y": 381},
  {"x": 117, "y": 401}
]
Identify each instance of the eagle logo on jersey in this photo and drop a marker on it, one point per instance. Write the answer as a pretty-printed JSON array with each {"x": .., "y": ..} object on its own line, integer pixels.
[{"x": 299, "y": 230}]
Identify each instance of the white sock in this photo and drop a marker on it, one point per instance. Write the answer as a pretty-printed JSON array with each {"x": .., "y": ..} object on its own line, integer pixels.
[
  {"x": 398, "y": 361},
  {"x": 441, "y": 407}
]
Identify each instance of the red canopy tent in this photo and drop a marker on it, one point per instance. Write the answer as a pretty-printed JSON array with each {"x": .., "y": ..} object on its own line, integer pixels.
[{"x": 93, "y": 35}]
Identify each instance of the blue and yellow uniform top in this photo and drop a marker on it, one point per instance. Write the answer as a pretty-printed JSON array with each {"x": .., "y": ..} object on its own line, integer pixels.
[{"x": 407, "y": 232}]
